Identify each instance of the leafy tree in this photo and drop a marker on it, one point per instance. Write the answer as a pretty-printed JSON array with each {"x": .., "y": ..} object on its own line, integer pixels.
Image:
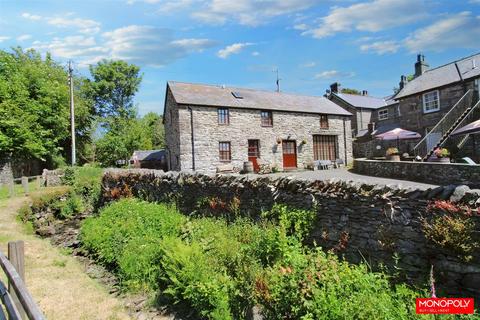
[
  {"x": 113, "y": 87},
  {"x": 34, "y": 108},
  {"x": 350, "y": 91},
  {"x": 154, "y": 127}
]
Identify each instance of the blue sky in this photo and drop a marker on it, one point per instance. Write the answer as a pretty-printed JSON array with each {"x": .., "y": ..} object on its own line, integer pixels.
[{"x": 365, "y": 45}]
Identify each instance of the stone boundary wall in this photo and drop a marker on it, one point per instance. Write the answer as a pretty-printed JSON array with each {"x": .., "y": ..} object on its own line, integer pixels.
[
  {"x": 52, "y": 178},
  {"x": 427, "y": 172},
  {"x": 377, "y": 224},
  {"x": 6, "y": 173}
]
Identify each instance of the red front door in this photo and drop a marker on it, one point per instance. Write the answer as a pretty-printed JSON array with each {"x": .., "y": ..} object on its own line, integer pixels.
[
  {"x": 289, "y": 149},
  {"x": 254, "y": 153}
]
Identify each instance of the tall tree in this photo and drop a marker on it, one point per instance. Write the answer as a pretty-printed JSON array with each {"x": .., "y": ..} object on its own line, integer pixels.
[
  {"x": 113, "y": 88},
  {"x": 34, "y": 107}
]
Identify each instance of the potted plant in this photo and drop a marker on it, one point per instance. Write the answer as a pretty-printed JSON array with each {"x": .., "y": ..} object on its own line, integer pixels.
[
  {"x": 393, "y": 154},
  {"x": 441, "y": 155},
  {"x": 279, "y": 140}
]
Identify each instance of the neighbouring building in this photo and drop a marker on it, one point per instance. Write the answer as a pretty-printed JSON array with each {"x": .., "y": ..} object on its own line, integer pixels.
[
  {"x": 208, "y": 126},
  {"x": 149, "y": 159},
  {"x": 364, "y": 108},
  {"x": 437, "y": 100}
]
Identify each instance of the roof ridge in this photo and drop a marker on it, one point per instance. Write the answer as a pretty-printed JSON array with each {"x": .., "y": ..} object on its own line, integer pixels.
[
  {"x": 244, "y": 88},
  {"x": 453, "y": 62}
]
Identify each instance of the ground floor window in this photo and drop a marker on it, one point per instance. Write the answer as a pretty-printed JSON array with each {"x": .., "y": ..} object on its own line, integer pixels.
[
  {"x": 325, "y": 147},
  {"x": 224, "y": 150}
]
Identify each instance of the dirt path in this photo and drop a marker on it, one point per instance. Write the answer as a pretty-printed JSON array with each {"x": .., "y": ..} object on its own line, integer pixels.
[{"x": 57, "y": 281}]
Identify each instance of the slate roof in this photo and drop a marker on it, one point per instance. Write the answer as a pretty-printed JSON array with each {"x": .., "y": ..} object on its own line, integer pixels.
[
  {"x": 219, "y": 96},
  {"x": 441, "y": 76},
  {"x": 148, "y": 155},
  {"x": 360, "y": 101}
]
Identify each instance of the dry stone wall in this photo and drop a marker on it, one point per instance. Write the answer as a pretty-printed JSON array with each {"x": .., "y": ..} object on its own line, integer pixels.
[{"x": 377, "y": 224}]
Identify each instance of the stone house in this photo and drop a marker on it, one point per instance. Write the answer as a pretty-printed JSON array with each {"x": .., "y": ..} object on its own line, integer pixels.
[
  {"x": 437, "y": 100},
  {"x": 208, "y": 126},
  {"x": 364, "y": 108}
]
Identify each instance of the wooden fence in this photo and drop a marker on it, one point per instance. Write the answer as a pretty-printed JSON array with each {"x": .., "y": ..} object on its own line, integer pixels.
[{"x": 17, "y": 301}]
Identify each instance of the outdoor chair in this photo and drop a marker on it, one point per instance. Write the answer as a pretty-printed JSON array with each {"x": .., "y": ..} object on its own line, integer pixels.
[{"x": 339, "y": 163}]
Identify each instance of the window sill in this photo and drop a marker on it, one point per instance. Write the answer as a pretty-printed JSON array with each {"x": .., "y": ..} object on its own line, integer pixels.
[
  {"x": 431, "y": 111},
  {"x": 225, "y": 161},
  {"x": 263, "y": 126}
]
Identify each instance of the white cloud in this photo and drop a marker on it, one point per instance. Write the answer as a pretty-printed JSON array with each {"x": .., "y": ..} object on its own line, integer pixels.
[
  {"x": 4, "y": 38},
  {"x": 460, "y": 30},
  {"x": 30, "y": 16},
  {"x": 301, "y": 27},
  {"x": 24, "y": 37},
  {"x": 232, "y": 49},
  {"x": 329, "y": 74},
  {"x": 474, "y": 1},
  {"x": 370, "y": 16},
  {"x": 310, "y": 64},
  {"x": 381, "y": 47},
  {"x": 86, "y": 26},
  {"x": 142, "y": 45},
  {"x": 248, "y": 12},
  {"x": 255, "y": 53}
]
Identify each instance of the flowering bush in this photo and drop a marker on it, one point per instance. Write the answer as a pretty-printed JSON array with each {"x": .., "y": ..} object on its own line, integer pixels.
[
  {"x": 442, "y": 153},
  {"x": 392, "y": 151}
]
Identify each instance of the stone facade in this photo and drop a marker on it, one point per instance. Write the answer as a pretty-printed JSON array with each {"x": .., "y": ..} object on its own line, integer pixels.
[
  {"x": 361, "y": 116},
  {"x": 6, "y": 173},
  {"x": 427, "y": 172},
  {"x": 381, "y": 225},
  {"x": 244, "y": 125},
  {"x": 415, "y": 119}
]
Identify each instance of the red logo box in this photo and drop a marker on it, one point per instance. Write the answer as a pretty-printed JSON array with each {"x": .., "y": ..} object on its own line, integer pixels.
[{"x": 444, "y": 306}]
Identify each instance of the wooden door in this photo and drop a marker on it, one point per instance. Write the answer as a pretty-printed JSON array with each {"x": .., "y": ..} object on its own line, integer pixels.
[
  {"x": 324, "y": 147},
  {"x": 254, "y": 153},
  {"x": 289, "y": 149}
]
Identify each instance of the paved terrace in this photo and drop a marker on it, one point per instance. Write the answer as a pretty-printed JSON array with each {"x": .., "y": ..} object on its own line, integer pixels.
[{"x": 345, "y": 175}]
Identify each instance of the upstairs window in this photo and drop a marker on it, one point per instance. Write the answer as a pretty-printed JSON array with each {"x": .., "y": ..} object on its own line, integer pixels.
[
  {"x": 383, "y": 114},
  {"x": 223, "y": 116},
  {"x": 431, "y": 101},
  {"x": 323, "y": 121},
  {"x": 224, "y": 151},
  {"x": 267, "y": 120}
]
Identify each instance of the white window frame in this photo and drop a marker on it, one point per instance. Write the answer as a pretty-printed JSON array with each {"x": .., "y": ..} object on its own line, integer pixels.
[
  {"x": 425, "y": 102},
  {"x": 383, "y": 114}
]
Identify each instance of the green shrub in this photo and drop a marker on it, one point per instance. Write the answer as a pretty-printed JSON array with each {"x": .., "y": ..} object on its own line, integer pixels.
[
  {"x": 50, "y": 199},
  {"x": 126, "y": 220},
  {"x": 86, "y": 182},
  {"x": 221, "y": 269},
  {"x": 313, "y": 285}
]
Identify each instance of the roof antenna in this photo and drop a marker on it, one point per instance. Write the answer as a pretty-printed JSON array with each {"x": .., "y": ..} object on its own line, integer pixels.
[{"x": 278, "y": 80}]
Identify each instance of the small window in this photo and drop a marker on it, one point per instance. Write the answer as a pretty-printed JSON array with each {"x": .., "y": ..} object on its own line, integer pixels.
[
  {"x": 383, "y": 114},
  {"x": 431, "y": 101},
  {"x": 237, "y": 95},
  {"x": 224, "y": 150},
  {"x": 267, "y": 120},
  {"x": 223, "y": 116},
  {"x": 397, "y": 111},
  {"x": 324, "y": 121}
]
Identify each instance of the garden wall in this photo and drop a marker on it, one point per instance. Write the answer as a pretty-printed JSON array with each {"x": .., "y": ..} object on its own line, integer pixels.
[
  {"x": 380, "y": 225},
  {"x": 427, "y": 172}
]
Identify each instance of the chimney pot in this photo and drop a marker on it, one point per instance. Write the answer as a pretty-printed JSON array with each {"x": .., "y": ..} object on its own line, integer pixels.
[
  {"x": 364, "y": 93},
  {"x": 335, "y": 87},
  {"x": 403, "y": 82},
  {"x": 420, "y": 66}
]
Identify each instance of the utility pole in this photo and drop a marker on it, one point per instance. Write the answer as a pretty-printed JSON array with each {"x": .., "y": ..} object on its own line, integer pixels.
[
  {"x": 72, "y": 112},
  {"x": 278, "y": 80}
]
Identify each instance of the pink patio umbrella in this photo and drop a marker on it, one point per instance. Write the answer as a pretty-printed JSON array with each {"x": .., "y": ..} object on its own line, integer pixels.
[
  {"x": 398, "y": 134},
  {"x": 473, "y": 127}
]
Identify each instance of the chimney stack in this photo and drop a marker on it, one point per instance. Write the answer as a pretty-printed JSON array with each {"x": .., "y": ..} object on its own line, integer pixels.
[
  {"x": 335, "y": 87},
  {"x": 364, "y": 93},
  {"x": 420, "y": 66},
  {"x": 403, "y": 82}
]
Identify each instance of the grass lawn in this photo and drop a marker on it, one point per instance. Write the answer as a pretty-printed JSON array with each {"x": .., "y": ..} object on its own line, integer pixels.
[{"x": 18, "y": 189}]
